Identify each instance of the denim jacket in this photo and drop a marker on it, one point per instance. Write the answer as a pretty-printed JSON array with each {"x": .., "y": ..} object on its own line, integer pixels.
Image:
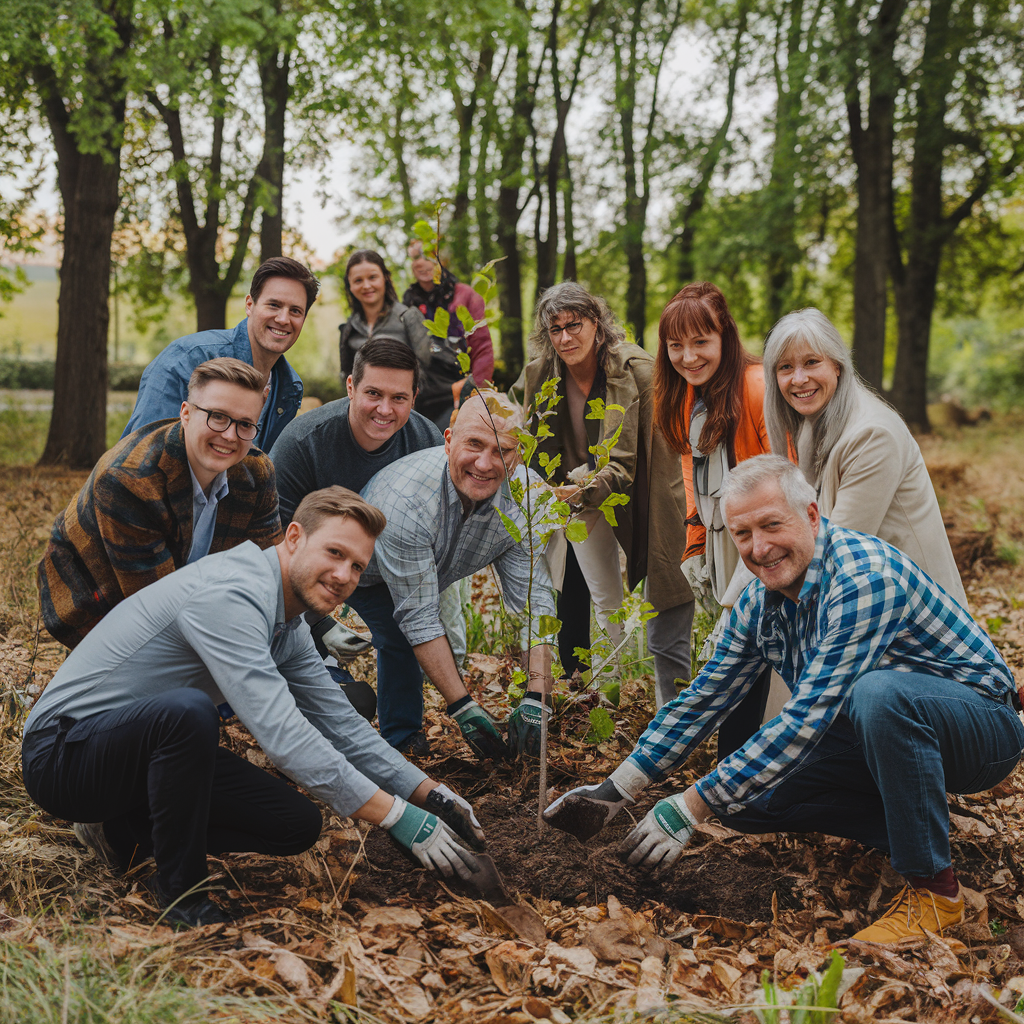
[{"x": 164, "y": 384}]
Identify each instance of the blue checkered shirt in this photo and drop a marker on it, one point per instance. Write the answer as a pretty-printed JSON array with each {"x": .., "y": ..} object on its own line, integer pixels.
[
  {"x": 863, "y": 606},
  {"x": 429, "y": 544}
]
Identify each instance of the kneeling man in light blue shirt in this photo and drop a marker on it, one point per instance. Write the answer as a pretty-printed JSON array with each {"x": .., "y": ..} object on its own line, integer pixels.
[{"x": 125, "y": 737}]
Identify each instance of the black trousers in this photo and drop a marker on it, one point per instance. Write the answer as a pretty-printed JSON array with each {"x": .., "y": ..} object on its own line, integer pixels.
[
  {"x": 154, "y": 774},
  {"x": 745, "y": 719},
  {"x": 573, "y": 609}
]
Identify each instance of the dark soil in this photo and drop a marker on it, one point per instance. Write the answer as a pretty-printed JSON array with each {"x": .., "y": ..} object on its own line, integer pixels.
[{"x": 552, "y": 865}]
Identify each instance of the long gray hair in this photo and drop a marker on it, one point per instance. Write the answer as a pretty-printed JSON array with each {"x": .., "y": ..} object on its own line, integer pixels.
[
  {"x": 812, "y": 327},
  {"x": 570, "y": 297}
]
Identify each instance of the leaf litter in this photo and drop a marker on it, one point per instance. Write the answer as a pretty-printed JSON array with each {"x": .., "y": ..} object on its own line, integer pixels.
[{"x": 352, "y": 924}]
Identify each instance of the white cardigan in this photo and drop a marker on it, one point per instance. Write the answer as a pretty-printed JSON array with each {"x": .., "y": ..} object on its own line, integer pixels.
[{"x": 875, "y": 481}]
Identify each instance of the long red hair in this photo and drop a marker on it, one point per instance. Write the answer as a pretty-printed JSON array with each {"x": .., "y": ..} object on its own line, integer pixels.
[{"x": 700, "y": 308}]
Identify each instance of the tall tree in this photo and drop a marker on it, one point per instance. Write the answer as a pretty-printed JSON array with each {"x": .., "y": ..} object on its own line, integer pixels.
[
  {"x": 870, "y": 52},
  {"x": 961, "y": 147},
  {"x": 74, "y": 55},
  {"x": 640, "y": 38}
]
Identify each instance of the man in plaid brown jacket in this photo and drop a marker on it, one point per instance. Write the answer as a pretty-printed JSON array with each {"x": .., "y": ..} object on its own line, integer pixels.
[{"x": 161, "y": 498}]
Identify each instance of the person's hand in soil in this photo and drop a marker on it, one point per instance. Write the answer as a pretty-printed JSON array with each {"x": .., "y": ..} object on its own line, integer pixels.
[
  {"x": 457, "y": 813},
  {"x": 478, "y": 729},
  {"x": 429, "y": 840},
  {"x": 661, "y": 837},
  {"x": 584, "y": 811}
]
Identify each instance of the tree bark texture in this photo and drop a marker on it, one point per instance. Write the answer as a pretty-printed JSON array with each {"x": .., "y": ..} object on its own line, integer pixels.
[
  {"x": 872, "y": 147},
  {"x": 88, "y": 184},
  {"x": 275, "y": 66}
]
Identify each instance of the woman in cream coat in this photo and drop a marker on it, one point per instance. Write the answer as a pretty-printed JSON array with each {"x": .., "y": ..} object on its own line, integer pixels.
[{"x": 853, "y": 448}]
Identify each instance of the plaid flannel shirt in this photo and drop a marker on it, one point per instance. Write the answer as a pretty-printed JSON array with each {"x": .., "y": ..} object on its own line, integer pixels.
[
  {"x": 863, "y": 606},
  {"x": 428, "y": 544}
]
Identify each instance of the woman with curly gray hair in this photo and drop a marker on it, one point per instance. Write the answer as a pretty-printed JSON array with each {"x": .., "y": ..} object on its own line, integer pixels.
[
  {"x": 853, "y": 448},
  {"x": 577, "y": 339}
]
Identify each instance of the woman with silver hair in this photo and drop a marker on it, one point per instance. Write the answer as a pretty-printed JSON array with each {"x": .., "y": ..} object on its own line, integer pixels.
[
  {"x": 854, "y": 449},
  {"x": 576, "y": 339}
]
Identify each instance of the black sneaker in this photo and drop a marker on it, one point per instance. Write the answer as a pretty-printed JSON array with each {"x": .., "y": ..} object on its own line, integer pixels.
[
  {"x": 192, "y": 912},
  {"x": 417, "y": 745}
]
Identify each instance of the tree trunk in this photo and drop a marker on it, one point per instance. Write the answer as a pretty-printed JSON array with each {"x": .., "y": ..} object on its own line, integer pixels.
[
  {"x": 89, "y": 193},
  {"x": 274, "y": 69},
  {"x": 872, "y": 147},
  {"x": 915, "y": 301}
]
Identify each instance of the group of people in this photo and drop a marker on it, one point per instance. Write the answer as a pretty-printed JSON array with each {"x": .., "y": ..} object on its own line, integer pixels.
[{"x": 195, "y": 574}]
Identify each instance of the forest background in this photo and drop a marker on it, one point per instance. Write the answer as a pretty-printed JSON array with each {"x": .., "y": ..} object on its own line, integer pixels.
[{"x": 865, "y": 157}]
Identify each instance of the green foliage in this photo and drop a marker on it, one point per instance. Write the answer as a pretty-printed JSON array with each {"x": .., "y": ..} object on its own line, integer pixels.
[
  {"x": 815, "y": 1002},
  {"x": 602, "y": 726}
]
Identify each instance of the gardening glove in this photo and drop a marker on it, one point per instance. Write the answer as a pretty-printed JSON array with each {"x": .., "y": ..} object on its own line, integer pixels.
[
  {"x": 429, "y": 840},
  {"x": 584, "y": 811},
  {"x": 343, "y": 643},
  {"x": 662, "y": 836},
  {"x": 457, "y": 814},
  {"x": 696, "y": 572},
  {"x": 478, "y": 729},
  {"x": 524, "y": 726}
]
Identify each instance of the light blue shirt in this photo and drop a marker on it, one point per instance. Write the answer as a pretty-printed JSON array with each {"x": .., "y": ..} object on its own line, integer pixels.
[
  {"x": 429, "y": 544},
  {"x": 218, "y": 625},
  {"x": 204, "y": 514}
]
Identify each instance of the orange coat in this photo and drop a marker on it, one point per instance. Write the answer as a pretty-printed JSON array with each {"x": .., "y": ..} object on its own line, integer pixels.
[{"x": 751, "y": 439}]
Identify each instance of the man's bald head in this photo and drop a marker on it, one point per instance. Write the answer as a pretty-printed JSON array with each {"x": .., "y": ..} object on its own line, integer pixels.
[{"x": 482, "y": 444}]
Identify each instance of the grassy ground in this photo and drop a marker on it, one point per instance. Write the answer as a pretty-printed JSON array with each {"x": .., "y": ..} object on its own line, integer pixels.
[{"x": 348, "y": 931}]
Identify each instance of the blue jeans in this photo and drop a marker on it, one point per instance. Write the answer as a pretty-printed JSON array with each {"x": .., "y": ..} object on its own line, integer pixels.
[
  {"x": 399, "y": 676},
  {"x": 881, "y": 773}
]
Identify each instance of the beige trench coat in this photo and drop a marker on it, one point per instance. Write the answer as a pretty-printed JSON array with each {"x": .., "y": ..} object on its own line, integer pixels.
[{"x": 652, "y": 526}]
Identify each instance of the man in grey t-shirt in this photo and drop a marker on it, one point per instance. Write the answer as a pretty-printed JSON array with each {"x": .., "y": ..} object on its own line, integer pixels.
[{"x": 126, "y": 734}]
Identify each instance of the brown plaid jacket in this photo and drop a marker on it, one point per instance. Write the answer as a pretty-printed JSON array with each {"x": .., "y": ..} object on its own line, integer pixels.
[{"x": 131, "y": 524}]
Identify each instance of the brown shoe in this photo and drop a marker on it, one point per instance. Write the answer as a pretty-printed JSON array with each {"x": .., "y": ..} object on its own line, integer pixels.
[{"x": 914, "y": 912}]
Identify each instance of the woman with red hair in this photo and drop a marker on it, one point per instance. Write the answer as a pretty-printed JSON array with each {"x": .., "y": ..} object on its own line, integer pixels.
[{"x": 709, "y": 404}]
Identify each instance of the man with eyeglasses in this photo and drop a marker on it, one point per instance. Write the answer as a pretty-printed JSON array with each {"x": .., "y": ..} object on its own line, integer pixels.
[{"x": 163, "y": 497}]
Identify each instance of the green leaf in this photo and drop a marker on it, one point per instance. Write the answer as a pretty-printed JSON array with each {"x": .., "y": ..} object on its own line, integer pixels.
[
  {"x": 548, "y": 625},
  {"x": 576, "y": 531},
  {"x": 608, "y": 506},
  {"x": 601, "y": 726},
  {"x": 828, "y": 992},
  {"x": 596, "y": 409},
  {"x": 513, "y": 530},
  {"x": 464, "y": 361},
  {"x": 553, "y": 465},
  {"x": 613, "y": 691},
  {"x": 515, "y": 486},
  {"x": 466, "y": 319}
]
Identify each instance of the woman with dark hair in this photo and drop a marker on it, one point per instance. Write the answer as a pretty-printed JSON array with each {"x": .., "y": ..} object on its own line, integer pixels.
[
  {"x": 854, "y": 449},
  {"x": 576, "y": 339},
  {"x": 376, "y": 311}
]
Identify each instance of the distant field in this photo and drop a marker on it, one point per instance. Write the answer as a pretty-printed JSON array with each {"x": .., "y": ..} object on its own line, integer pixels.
[{"x": 28, "y": 327}]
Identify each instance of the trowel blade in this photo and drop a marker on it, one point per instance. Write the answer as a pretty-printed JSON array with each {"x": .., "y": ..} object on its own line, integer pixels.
[{"x": 487, "y": 881}]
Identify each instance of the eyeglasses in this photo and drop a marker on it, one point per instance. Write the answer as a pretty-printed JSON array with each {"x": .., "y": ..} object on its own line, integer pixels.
[
  {"x": 572, "y": 329},
  {"x": 220, "y": 421}
]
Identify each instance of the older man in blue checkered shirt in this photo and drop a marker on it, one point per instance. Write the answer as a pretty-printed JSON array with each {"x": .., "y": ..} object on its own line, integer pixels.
[
  {"x": 898, "y": 697},
  {"x": 444, "y": 508}
]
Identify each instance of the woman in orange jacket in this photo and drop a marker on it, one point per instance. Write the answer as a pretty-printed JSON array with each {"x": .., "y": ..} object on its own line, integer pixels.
[{"x": 709, "y": 404}]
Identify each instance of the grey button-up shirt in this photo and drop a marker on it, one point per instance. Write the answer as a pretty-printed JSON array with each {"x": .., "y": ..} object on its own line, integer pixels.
[
  {"x": 204, "y": 514},
  {"x": 215, "y": 625},
  {"x": 428, "y": 544}
]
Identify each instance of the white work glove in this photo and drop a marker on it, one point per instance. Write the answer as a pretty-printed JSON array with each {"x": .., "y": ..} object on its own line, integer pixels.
[
  {"x": 344, "y": 644},
  {"x": 696, "y": 572},
  {"x": 457, "y": 813},
  {"x": 584, "y": 811},
  {"x": 662, "y": 836},
  {"x": 429, "y": 840}
]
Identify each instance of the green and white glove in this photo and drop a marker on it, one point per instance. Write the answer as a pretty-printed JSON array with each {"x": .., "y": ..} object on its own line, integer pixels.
[
  {"x": 662, "y": 836},
  {"x": 478, "y": 729},
  {"x": 457, "y": 813},
  {"x": 524, "y": 726},
  {"x": 584, "y": 811},
  {"x": 429, "y": 840}
]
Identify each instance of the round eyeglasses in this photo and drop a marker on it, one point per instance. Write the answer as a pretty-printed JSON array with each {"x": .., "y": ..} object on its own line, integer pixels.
[
  {"x": 220, "y": 421},
  {"x": 572, "y": 329}
]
